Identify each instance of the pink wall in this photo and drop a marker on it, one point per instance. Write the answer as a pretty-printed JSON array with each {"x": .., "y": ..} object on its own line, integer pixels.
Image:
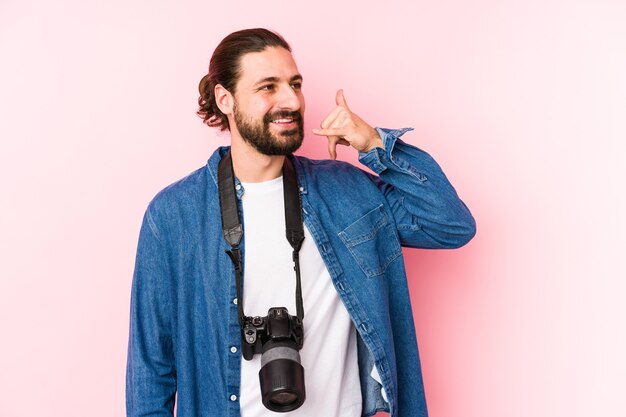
[{"x": 523, "y": 104}]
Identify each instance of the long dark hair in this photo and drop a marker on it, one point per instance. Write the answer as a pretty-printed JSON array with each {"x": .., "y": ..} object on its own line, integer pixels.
[{"x": 225, "y": 67}]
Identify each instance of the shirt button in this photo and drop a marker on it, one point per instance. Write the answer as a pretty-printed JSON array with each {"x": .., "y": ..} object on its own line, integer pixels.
[
  {"x": 301, "y": 189},
  {"x": 233, "y": 349},
  {"x": 237, "y": 187},
  {"x": 234, "y": 301},
  {"x": 233, "y": 397}
]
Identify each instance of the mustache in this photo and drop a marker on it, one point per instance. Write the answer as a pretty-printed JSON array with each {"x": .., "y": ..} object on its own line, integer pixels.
[{"x": 281, "y": 114}]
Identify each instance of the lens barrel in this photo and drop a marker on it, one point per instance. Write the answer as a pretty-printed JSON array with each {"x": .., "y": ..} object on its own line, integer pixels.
[{"x": 282, "y": 379}]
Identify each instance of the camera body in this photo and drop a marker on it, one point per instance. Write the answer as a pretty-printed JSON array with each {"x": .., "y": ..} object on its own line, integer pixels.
[
  {"x": 259, "y": 334},
  {"x": 277, "y": 337}
]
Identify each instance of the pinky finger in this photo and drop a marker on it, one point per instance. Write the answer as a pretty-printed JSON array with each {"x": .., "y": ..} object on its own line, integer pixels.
[{"x": 332, "y": 146}]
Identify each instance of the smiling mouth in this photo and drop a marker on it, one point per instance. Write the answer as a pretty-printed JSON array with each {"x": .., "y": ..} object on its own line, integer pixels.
[
  {"x": 286, "y": 122},
  {"x": 283, "y": 118},
  {"x": 280, "y": 122}
]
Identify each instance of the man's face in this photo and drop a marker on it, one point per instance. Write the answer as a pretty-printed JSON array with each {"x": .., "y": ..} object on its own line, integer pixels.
[{"x": 268, "y": 104}]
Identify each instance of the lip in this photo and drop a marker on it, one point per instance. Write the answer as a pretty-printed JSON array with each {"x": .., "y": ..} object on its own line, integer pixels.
[{"x": 287, "y": 125}]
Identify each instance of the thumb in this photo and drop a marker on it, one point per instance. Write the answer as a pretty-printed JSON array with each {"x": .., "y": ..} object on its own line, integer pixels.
[{"x": 341, "y": 100}]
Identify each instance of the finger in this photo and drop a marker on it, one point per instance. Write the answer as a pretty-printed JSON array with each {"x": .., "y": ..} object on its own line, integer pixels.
[
  {"x": 330, "y": 132},
  {"x": 341, "y": 100},
  {"x": 341, "y": 122},
  {"x": 331, "y": 117},
  {"x": 333, "y": 141},
  {"x": 332, "y": 146}
]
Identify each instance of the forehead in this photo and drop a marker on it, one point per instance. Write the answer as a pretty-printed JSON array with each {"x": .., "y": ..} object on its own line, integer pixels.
[{"x": 271, "y": 62}]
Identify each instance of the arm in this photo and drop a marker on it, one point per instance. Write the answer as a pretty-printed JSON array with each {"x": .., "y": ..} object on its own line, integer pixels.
[
  {"x": 426, "y": 208},
  {"x": 151, "y": 372}
]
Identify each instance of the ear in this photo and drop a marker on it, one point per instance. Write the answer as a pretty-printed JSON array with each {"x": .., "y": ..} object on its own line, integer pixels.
[{"x": 224, "y": 99}]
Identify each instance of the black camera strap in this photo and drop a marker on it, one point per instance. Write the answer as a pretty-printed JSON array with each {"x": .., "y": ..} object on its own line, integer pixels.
[{"x": 233, "y": 230}]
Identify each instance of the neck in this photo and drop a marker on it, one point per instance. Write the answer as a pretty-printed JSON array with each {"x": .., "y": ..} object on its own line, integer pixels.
[{"x": 252, "y": 166}]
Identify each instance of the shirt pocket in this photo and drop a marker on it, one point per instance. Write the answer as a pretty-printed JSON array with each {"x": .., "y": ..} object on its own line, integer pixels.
[{"x": 373, "y": 242}]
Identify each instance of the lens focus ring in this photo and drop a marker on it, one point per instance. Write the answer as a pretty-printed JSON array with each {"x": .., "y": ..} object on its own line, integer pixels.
[{"x": 280, "y": 352}]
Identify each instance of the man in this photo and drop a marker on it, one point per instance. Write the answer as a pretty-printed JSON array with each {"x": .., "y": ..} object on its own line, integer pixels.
[{"x": 359, "y": 350}]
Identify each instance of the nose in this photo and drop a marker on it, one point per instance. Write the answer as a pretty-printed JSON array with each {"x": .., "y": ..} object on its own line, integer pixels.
[{"x": 289, "y": 99}]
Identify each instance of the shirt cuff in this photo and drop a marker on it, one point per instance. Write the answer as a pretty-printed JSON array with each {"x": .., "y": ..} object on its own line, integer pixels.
[{"x": 377, "y": 159}]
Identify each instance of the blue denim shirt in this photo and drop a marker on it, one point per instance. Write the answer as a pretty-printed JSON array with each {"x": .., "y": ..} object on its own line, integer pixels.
[{"x": 184, "y": 335}]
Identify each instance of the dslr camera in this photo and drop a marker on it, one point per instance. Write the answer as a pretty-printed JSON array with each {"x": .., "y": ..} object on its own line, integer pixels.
[{"x": 277, "y": 337}]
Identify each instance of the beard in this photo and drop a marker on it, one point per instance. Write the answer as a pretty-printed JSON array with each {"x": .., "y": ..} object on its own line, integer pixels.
[{"x": 259, "y": 136}]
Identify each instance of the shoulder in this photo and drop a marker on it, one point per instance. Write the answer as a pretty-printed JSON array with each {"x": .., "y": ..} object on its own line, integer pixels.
[
  {"x": 327, "y": 167},
  {"x": 183, "y": 193}
]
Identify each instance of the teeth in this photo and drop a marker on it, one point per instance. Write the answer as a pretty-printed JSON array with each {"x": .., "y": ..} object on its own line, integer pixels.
[{"x": 283, "y": 121}]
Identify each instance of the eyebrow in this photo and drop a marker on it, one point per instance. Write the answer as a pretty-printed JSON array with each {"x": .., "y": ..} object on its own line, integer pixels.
[{"x": 296, "y": 77}]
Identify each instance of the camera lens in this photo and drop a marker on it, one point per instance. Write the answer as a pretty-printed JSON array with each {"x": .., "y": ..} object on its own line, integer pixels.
[
  {"x": 282, "y": 379},
  {"x": 283, "y": 398}
]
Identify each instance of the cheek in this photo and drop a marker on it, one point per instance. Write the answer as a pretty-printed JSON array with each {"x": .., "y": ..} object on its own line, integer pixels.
[{"x": 261, "y": 107}]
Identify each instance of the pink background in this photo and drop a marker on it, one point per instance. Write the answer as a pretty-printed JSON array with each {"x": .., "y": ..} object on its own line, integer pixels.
[{"x": 522, "y": 102}]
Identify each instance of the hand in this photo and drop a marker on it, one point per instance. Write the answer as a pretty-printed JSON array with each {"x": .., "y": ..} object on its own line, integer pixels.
[{"x": 343, "y": 127}]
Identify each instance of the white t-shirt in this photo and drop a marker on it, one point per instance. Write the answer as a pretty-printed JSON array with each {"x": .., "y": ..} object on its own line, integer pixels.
[{"x": 329, "y": 354}]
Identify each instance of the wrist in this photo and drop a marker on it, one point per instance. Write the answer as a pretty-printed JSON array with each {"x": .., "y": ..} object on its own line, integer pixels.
[{"x": 375, "y": 141}]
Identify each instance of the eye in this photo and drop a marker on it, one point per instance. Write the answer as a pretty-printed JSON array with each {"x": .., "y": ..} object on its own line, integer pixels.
[
  {"x": 296, "y": 85},
  {"x": 267, "y": 87}
]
